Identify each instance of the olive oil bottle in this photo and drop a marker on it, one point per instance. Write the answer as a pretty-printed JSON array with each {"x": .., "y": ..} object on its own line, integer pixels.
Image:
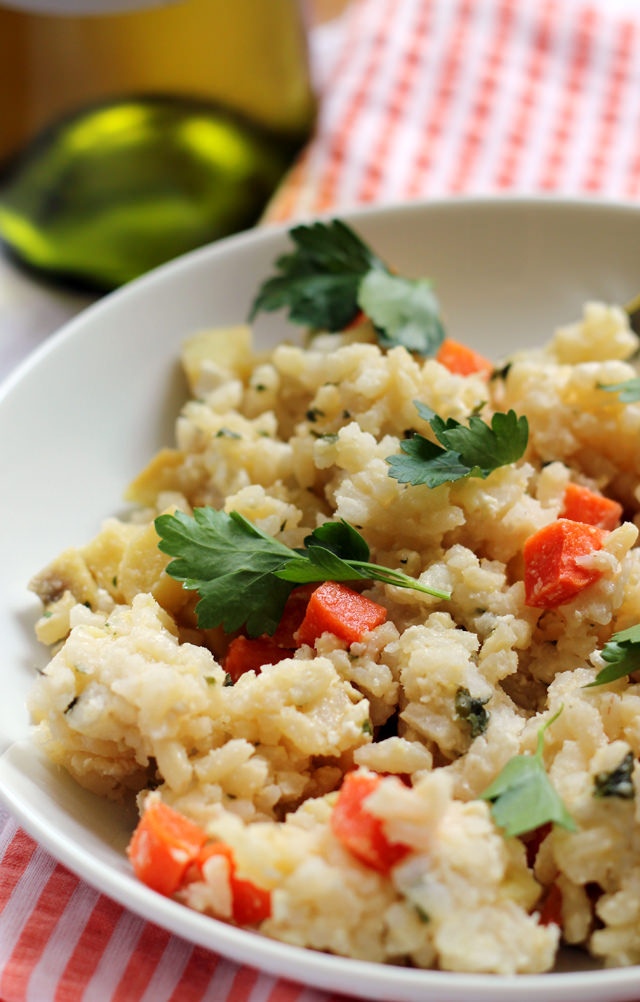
[{"x": 134, "y": 130}]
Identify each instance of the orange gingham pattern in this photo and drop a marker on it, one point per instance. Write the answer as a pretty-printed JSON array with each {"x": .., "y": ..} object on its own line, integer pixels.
[{"x": 419, "y": 98}]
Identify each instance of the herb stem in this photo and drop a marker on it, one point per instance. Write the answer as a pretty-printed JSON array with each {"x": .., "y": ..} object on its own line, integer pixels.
[{"x": 389, "y": 576}]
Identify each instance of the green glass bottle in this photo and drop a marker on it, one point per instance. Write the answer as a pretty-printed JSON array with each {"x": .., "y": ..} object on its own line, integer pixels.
[{"x": 130, "y": 136}]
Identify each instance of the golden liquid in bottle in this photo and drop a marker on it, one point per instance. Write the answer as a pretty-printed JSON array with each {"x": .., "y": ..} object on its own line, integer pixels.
[{"x": 129, "y": 137}]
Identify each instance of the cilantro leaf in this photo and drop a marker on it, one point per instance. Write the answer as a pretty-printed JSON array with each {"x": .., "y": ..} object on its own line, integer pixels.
[
  {"x": 404, "y": 311},
  {"x": 244, "y": 576},
  {"x": 472, "y": 450},
  {"x": 522, "y": 795},
  {"x": 332, "y": 275},
  {"x": 628, "y": 391},
  {"x": 319, "y": 280},
  {"x": 622, "y": 654}
]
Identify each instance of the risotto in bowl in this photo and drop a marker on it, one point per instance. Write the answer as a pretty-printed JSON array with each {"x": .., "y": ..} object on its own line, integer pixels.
[{"x": 363, "y": 648}]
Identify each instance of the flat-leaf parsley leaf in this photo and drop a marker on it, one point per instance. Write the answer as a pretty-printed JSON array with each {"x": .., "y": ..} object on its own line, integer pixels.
[
  {"x": 404, "y": 311},
  {"x": 244, "y": 576},
  {"x": 622, "y": 654},
  {"x": 472, "y": 450},
  {"x": 319, "y": 280},
  {"x": 522, "y": 795},
  {"x": 231, "y": 564},
  {"x": 628, "y": 391}
]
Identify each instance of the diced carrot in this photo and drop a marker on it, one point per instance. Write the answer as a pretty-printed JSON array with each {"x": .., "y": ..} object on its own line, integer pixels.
[
  {"x": 167, "y": 849},
  {"x": 533, "y": 840},
  {"x": 334, "y": 608},
  {"x": 553, "y": 573},
  {"x": 551, "y": 910},
  {"x": 584, "y": 505},
  {"x": 360, "y": 831},
  {"x": 360, "y": 318},
  {"x": 210, "y": 849},
  {"x": 250, "y": 904},
  {"x": 251, "y": 654},
  {"x": 461, "y": 359},
  {"x": 292, "y": 616},
  {"x": 163, "y": 847}
]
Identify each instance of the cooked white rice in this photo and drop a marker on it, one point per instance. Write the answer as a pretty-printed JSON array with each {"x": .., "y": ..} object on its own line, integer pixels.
[{"x": 134, "y": 697}]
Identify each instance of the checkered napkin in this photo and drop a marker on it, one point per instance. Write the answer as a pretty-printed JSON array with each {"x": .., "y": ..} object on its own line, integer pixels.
[{"x": 417, "y": 98}]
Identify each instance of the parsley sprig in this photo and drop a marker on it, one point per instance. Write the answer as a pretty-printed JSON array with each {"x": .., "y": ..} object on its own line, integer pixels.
[
  {"x": 332, "y": 275},
  {"x": 244, "y": 576},
  {"x": 472, "y": 450},
  {"x": 522, "y": 796},
  {"x": 622, "y": 654}
]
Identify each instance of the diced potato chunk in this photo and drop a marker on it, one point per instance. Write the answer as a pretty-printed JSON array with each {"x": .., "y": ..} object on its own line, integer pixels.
[
  {"x": 68, "y": 572},
  {"x": 226, "y": 347},
  {"x": 54, "y": 623},
  {"x": 105, "y": 552},
  {"x": 161, "y": 474},
  {"x": 142, "y": 569}
]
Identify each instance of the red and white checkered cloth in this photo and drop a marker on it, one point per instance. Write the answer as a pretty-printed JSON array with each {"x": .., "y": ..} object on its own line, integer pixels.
[{"x": 417, "y": 98}]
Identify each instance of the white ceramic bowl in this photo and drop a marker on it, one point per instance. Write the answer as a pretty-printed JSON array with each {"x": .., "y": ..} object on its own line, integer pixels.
[{"x": 86, "y": 412}]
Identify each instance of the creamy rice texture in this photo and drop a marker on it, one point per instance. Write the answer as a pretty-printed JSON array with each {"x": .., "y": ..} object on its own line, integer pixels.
[{"x": 135, "y": 698}]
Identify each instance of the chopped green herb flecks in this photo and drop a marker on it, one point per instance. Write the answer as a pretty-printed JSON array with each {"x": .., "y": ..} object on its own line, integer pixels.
[
  {"x": 227, "y": 679},
  {"x": 501, "y": 373},
  {"x": 522, "y": 797},
  {"x": 479, "y": 407},
  {"x": 471, "y": 709},
  {"x": 618, "y": 782}
]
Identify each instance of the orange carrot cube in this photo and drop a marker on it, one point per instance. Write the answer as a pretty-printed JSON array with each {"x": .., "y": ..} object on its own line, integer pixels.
[
  {"x": 554, "y": 572},
  {"x": 163, "y": 847},
  {"x": 462, "y": 360},
  {"x": 584, "y": 505},
  {"x": 360, "y": 831},
  {"x": 334, "y": 608}
]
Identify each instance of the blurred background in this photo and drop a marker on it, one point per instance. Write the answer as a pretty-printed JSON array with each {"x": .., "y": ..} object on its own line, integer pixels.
[{"x": 132, "y": 131}]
